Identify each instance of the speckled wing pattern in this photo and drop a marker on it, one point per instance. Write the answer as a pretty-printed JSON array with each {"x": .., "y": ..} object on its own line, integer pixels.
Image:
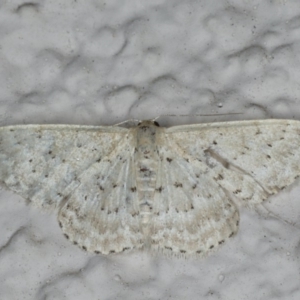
[
  {"x": 251, "y": 159},
  {"x": 163, "y": 189},
  {"x": 203, "y": 167},
  {"x": 192, "y": 214},
  {"x": 102, "y": 214},
  {"x": 79, "y": 170},
  {"x": 43, "y": 163}
]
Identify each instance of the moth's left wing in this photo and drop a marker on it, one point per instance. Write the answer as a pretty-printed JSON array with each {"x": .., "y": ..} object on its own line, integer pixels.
[
  {"x": 43, "y": 163},
  {"x": 102, "y": 214}
]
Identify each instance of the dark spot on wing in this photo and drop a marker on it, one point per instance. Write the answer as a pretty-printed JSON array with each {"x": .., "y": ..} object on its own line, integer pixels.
[
  {"x": 220, "y": 177},
  {"x": 133, "y": 189},
  {"x": 169, "y": 159},
  {"x": 159, "y": 189},
  {"x": 177, "y": 184},
  {"x": 84, "y": 248},
  {"x": 221, "y": 242},
  {"x": 211, "y": 247},
  {"x": 67, "y": 237}
]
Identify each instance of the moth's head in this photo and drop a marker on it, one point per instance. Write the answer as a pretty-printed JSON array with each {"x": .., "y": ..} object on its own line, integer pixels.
[{"x": 148, "y": 123}]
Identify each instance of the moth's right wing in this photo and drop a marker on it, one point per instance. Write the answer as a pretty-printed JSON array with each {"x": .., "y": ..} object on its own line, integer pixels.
[
  {"x": 204, "y": 165},
  {"x": 251, "y": 159},
  {"x": 192, "y": 214}
]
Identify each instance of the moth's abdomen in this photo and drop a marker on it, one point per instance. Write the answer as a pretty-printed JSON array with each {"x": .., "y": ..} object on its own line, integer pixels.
[{"x": 146, "y": 160}]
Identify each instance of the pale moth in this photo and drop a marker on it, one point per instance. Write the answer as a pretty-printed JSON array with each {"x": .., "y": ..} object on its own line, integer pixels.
[{"x": 166, "y": 190}]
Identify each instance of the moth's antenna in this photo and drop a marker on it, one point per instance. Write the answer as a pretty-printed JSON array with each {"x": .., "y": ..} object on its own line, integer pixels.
[
  {"x": 156, "y": 118},
  {"x": 201, "y": 115},
  {"x": 197, "y": 115},
  {"x": 127, "y": 121},
  {"x": 170, "y": 115}
]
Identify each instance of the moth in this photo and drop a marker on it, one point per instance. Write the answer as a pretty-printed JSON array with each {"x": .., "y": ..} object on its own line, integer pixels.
[{"x": 171, "y": 190}]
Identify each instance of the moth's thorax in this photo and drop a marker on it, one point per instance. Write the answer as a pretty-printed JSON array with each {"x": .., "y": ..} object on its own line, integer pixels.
[{"x": 146, "y": 162}]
